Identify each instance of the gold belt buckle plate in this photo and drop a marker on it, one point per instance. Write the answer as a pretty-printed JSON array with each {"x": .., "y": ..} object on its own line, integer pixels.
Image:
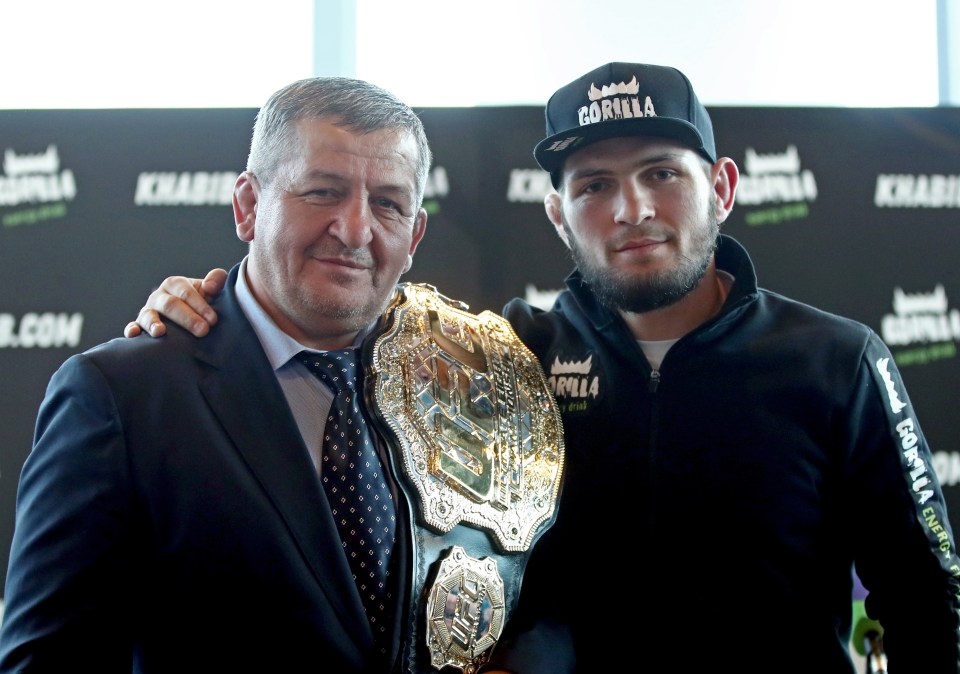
[
  {"x": 479, "y": 439},
  {"x": 480, "y": 435}
]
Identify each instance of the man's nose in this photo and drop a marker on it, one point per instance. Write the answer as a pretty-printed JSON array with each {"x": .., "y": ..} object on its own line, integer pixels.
[
  {"x": 353, "y": 222},
  {"x": 634, "y": 205}
]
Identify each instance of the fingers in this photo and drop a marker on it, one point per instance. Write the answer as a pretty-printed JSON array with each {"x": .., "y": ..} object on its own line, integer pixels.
[
  {"x": 149, "y": 322},
  {"x": 182, "y": 300}
]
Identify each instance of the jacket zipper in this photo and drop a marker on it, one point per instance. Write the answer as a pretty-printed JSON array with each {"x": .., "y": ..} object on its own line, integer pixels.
[
  {"x": 651, "y": 500},
  {"x": 654, "y": 381}
]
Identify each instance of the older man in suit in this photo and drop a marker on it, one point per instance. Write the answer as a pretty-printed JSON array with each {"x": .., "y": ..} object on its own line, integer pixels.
[{"x": 170, "y": 517}]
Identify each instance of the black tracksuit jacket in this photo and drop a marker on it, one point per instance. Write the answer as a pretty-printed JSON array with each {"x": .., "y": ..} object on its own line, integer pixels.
[{"x": 712, "y": 510}]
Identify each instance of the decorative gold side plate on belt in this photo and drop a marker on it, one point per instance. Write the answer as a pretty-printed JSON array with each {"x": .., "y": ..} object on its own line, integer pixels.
[
  {"x": 465, "y": 611},
  {"x": 480, "y": 435}
]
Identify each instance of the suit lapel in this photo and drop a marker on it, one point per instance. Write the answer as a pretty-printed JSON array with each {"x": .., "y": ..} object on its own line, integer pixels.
[{"x": 244, "y": 394}]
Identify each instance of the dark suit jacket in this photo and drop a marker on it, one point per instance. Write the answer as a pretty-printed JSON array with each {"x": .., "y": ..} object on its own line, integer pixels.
[{"x": 169, "y": 519}]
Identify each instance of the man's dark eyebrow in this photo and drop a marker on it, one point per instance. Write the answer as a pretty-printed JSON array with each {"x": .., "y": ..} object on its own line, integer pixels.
[
  {"x": 659, "y": 158},
  {"x": 670, "y": 155},
  {"x": 579, "y": 174}
]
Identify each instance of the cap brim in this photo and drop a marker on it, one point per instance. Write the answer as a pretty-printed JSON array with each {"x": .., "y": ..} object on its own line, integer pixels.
[{"x": 577, "y": 139}]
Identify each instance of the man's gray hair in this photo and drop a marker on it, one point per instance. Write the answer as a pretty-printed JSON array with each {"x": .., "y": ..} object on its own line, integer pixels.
[{"x": 353, "y": 104}]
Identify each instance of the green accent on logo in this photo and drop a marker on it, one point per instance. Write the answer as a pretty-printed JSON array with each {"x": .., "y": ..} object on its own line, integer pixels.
[
  {"x": 34, "y": 215},
  {"x": 580, "y": 406},
  {"x": 926, "y": 354},
  {"x": 773, "y": 216}
]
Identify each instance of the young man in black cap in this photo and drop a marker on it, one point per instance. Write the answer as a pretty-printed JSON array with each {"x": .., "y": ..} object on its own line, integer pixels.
[{"x": 719, "y": 474}]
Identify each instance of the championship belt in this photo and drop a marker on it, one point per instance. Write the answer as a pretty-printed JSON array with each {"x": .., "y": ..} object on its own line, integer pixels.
[{"x": 477, "y": 446}]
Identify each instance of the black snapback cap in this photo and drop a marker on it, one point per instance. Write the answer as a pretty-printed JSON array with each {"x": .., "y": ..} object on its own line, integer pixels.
[{"x": 623, "y": 99}]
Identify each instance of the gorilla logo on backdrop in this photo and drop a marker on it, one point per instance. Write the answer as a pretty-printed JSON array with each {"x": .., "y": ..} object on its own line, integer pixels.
[
  {"x": 774, "y": 188},
  {"x": 922, "y": 328},
  {"x": 37, "y": 182}
]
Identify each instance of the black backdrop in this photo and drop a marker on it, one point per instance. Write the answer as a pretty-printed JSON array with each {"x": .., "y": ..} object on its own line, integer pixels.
[{"x": 854, "y": 210}]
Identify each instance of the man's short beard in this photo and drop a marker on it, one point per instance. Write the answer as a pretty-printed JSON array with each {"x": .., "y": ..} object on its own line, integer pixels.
[{"x": 624, "y": 292}]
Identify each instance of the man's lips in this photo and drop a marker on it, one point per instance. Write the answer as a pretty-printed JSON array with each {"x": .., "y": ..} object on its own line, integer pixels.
[
  {"x": 639, "y": 245},
  {"x": 348, "y": 262}
]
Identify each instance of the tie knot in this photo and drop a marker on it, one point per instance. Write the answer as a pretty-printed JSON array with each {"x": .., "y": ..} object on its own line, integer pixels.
[{"x": 337, "y": 369}]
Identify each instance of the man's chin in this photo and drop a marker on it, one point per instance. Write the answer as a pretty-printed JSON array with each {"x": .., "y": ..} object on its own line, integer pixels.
[{"x": 358, "y": 301}]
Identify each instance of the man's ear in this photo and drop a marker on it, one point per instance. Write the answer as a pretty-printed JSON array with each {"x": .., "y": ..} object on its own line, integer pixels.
[
  {"x": 419, "y": 228},
  {"x": 552, "y": 204},
  {"x": 246, "y": 194},
  {"x": 726, "y": 177}
]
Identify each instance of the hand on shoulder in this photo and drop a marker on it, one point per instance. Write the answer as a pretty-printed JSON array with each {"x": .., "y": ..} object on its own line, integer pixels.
[{"x": 183, "y": 300}]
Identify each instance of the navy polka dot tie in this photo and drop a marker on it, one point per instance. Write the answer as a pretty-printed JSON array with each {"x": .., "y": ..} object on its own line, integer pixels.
[{"x": 356, "y": 484}]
